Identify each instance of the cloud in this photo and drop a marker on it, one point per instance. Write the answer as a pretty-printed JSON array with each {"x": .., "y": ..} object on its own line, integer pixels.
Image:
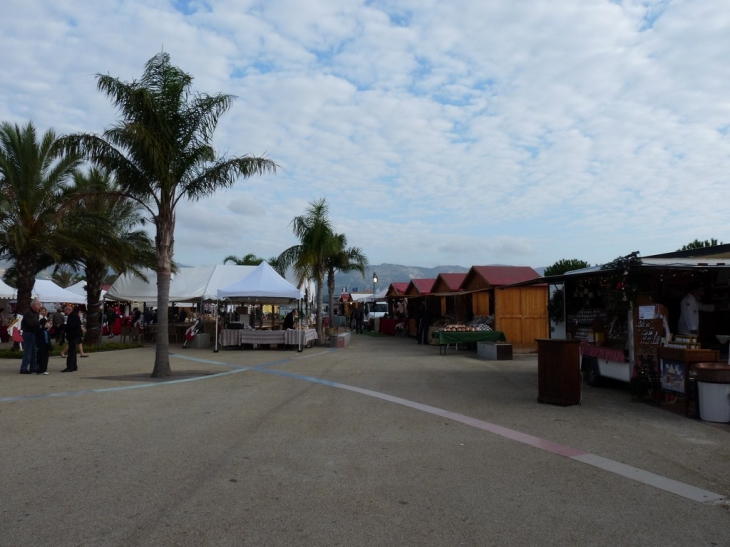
[{"x": 477, "y": 132}]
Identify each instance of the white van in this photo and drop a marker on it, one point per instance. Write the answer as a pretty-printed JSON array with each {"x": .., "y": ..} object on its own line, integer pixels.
[{"x": 377, "y": 309}]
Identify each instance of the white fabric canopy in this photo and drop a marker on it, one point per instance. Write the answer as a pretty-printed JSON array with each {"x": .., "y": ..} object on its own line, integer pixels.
[
  {"x": 80, "y": 289},
  {"x": 46, "y": 290},
  {"x": 188, "y": 284},
  {"x": 264, "y": 286},
  {"x": 6, "y": 291},
  {"x": 377, "y": 296}
]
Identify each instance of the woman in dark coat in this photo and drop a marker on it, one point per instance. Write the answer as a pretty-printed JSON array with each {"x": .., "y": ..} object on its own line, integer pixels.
[{"x": 73, "y": 337}]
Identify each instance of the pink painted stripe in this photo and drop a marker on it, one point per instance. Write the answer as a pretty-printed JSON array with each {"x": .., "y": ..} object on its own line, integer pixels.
[{"x": 524, "y": 438}]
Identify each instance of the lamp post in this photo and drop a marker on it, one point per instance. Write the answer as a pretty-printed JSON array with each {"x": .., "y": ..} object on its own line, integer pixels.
[{"x": 375, "y": 280}]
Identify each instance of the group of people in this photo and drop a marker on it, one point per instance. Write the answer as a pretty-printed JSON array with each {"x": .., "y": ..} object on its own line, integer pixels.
[{"x": 37, "y": 326}]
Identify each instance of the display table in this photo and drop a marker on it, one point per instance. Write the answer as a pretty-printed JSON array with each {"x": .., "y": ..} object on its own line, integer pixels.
[
  {"x": 290, "y": 337},
  {"x": 445, "y": 338},
  {"x": 387, "y": 326},
  {"x": 299, "y": 337},
  {"x": 255, "y": 337},
  {"x": 676, "y": 365}
]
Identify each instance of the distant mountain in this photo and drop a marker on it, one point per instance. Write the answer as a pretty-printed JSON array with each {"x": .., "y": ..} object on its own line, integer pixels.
[{"x": 387, "y": 274}]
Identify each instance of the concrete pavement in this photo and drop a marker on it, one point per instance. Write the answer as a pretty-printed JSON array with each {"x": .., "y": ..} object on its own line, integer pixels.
[{"x": 268, "y": 448}]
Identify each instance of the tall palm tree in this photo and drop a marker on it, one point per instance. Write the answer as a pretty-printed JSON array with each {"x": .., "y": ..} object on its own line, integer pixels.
[
  {"x": 248, "y": 260},
  {"x": 33, "y": 202},
  {"x": 317, "y": 244},
  {"x": 160, "y": 152},
  {"x": 343, "y": 260},
  {"x": 64, "y": 278},
  {"x": 118, "y": 240}
]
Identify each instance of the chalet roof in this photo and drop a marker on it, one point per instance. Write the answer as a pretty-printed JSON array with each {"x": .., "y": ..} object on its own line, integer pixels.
[
  {"x": 498, "y": 276},
  {"x": 422, "y": 286},
  {"x": 452, "y": 281},
  {"x": 400, "y": 288}
]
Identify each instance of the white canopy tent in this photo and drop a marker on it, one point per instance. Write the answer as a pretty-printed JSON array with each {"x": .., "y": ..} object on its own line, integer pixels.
[
  {"x": 377, "y": 296},
  {"x": 46, "y": 290},
  {"x": 263, "y": 286},
  {"x": 188, "y": 284},
  {"x": 6, "y": 291},
  {"x": 80, "y": 289}
]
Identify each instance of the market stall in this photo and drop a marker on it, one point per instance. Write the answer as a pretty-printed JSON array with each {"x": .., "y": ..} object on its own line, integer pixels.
[
  {"x": 263, "y": 286},
  {"x": 629, "y": 316}
]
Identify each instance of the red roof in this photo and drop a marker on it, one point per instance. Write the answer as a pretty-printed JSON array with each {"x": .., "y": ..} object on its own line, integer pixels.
[
  {"x": 498, "y": 276},
  {"x": 399, "y": 287},
  {"x": 424, "y": 286},
  {"x": 453, "y": 280}
]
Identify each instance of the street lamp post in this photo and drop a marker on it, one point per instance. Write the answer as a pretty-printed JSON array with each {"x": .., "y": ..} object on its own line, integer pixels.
[{"x": 375, "y": 280}]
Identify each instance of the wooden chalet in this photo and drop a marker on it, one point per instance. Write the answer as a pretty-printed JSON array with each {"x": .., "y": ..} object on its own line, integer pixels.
[
  {"x": 519, "y": 312},
  {"x": 451, "y": 302}
]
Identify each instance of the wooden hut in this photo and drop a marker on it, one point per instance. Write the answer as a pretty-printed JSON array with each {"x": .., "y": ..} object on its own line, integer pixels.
[
  {"x": 451, "y": 301},
  {"x": 396, "y": 290},
  {"x": 519, "y": 312},
  {"x": 415, "y": 294}
]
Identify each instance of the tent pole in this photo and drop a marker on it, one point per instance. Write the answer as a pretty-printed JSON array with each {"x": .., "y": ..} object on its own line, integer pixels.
[{"x": 215, "y": 348}]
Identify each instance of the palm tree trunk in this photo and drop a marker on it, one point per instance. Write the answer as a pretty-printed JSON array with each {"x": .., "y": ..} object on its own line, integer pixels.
[
  {"x": 25, "y": 265},
  {"x": 331, "y": 290},
  {"x": 319, "y": 310},
  {"x": 94, "y": 275},
  {"x": 164, "y": 244}
]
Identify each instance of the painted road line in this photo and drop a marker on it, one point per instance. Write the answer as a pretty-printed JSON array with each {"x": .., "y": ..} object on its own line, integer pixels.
[
  {"x": 657, "y": 481},
  {"x": 118, "y": 388},
  {"x": 679, "y": 488}
]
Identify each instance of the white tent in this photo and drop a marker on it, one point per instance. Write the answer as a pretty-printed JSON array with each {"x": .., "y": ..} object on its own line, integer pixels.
[
  {"x": 377, "y": 296},
  {"x": 6, "y": 291},
  {"x": 46, "y": 290},
  {"x": 264, "y": 286},
  {"x": 188, "y": 284},
  {"x": 80, "y": 289}
]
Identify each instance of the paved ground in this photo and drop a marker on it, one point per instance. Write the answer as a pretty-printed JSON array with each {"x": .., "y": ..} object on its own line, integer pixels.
[{"x": 288, "y": 454}]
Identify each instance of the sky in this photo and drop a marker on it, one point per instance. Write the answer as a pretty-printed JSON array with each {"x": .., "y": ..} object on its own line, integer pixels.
[{"x": 457, "y": 132}]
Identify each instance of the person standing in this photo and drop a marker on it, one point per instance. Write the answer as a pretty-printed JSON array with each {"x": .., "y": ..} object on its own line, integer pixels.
[
  {"x": 423, "y": 325},
  {"x": 43, "y": 341},
  {"x": 31, "y": 328},
  {"x": 58, "y": 326},
  {"x": 73, "y": 337},
  {"x": 690, "y": 307},
  {"x": 359, "y": 318},
  {"x": 289, "y": 320}
]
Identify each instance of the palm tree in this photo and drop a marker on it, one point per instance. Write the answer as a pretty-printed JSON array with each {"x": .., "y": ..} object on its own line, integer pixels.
[
  {"x": 64, "y": 278},
  {"x": 160, "y": 152},
  {"x": 248, "y": 260},
  {"x": 118, "y": 242},
  {"x": 317, "y": 244},
  {"x": 343, "y": 260},
  {"x": 33, "y": 202}
]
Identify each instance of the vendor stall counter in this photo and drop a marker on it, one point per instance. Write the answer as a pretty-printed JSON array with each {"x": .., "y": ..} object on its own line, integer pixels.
[{"x": 445, "y": 338}]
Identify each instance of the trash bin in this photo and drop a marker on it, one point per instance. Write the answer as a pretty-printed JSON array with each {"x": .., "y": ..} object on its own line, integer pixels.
[{"x": 713, "y": 386}]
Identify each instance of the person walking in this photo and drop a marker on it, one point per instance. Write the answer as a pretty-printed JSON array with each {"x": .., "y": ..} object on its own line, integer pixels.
[
  {"x": 73, "y": 337},
  {"x": 31, "y": 328},
  {"x": 43, "y": 341},
  {"x": 359, "y": 318}
]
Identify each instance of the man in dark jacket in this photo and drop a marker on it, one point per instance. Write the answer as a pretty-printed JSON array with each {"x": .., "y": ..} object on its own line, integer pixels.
[
  {"x": 73, "y": 337},
  {"x": 289, "y": 320},
  {"x": 31, "y": 328}
]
